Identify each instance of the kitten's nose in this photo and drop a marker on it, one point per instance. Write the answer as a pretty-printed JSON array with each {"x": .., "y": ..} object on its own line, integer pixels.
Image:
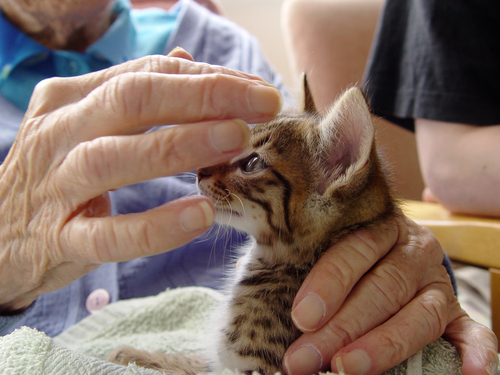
[{"x": 203, "y": 173}]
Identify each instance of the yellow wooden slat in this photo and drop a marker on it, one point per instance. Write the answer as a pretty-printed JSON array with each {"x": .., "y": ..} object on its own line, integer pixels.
[
  {"x": 466, "y": 239},
  {"x": 418, "y": 210}
]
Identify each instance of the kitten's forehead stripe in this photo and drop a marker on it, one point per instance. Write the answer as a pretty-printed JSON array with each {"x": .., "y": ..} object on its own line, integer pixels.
[{"x": 287, "y": 194}]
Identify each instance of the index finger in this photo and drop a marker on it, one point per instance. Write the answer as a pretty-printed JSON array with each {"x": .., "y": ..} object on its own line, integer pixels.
[
  {"x": 52, "y": 93},
  {"x": 134, "y": 102}
]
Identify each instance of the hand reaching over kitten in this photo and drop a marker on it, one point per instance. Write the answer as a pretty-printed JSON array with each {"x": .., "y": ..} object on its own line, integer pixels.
[{"x": 85, "y": 135}]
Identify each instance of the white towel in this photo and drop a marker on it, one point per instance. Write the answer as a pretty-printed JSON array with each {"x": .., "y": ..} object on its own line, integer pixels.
[{"x": 174, "y": 321}]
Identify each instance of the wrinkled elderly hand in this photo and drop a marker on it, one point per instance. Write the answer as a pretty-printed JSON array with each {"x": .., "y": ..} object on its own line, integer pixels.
[
  {"x": 376, "y": 298},
  {"x": 84, "y": 136}
]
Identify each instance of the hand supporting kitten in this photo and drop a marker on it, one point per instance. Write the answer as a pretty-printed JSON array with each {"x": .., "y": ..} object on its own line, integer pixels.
[{"x": 411, "y": 293}]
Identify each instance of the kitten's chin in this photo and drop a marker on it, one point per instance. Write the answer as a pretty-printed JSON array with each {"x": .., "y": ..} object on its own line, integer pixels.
[
  {"x": 227, "y": 213},
  {"x": 234, "y": 220}
]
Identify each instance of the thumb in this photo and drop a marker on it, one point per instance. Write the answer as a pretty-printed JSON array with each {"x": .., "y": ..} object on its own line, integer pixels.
[{"x": 476, "y": 344}]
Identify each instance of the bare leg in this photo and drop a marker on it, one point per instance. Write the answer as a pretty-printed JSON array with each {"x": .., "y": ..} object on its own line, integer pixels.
[{"x": 330, "y": 40}]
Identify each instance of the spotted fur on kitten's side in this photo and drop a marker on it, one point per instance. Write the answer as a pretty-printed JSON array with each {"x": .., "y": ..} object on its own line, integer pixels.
[{"x": 304, "y": 182}]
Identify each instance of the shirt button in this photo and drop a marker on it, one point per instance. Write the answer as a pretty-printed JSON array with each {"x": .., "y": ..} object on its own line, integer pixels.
[{"x": 97, "y": 300}]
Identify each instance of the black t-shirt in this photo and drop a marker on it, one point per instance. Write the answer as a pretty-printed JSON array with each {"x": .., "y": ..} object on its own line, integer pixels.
[{"x": 438, "y": 60}]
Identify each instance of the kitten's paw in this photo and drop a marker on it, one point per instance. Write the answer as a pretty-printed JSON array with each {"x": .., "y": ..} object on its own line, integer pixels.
[
  {"x": 125, "y": 355},
  {"x": 168, "y": 363}
]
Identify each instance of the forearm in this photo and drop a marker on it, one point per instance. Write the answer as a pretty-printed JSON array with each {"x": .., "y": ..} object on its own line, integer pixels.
[{"x": 460, "y": 165}]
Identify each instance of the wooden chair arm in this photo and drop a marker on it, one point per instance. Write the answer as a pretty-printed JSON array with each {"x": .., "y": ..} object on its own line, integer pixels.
[{"x": 466, "y": 239}]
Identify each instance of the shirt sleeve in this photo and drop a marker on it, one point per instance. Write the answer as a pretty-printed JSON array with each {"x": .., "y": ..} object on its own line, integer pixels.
[
  {"x": 435, "y": 60},
  {"x": 55, "y": 312}
]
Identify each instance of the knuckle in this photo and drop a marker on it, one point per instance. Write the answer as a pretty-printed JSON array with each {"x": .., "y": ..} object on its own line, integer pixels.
[
  {"x": 107, "y": 236},
  {"x": 127, "y": 94},
  {"x": 379, "y": 237},
  {"x": 212, "y": 103},
  {"x": 161, "y": 64},
  {"x": 430, "y": 243},
  {"x": 47, "y": 88},
  {"x": 489, "y": 336},
  {"x": 340, "y": 331},
  {"x": 434, "y": 306},
  {"x": 168, "y": 148},
  {"x": 87, "y": 169},
  {"x": 208, "y": 102},
  {"x": 162, "y": 152},
  {"x": 157, "y": 63},
  {"x": 393, "y": 288},
  {"x": 142, "y": 236},
  {"x": 50, "y": 94},
  {"x": 208, "y": 69},
  {"x": 89, "y": 157},
  {"x": 368, "y": 247},
  {"x": 424, "y": 251},
  {"x": 396, "y": 347},
  {"x": 492, "y": 351},
  {"x": 337, "y": 272},
  {"x": 480, "y": 341},
  {"x": 427, "y": 244},
  {"x": 99, "y": 241}
]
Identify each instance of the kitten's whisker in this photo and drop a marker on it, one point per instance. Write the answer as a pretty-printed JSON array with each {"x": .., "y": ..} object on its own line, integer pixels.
[
  {"x": 230, "y": 211},
  {"x": 228, "y": 193},
  {"x": 218, "y": 201},
  {"x": 189, "y": 175},
  {"x": 241, "y": 202}
]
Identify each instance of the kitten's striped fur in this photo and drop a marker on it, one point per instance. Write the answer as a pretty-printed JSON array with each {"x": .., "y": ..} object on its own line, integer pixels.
[{"x": 304, "y": 182}]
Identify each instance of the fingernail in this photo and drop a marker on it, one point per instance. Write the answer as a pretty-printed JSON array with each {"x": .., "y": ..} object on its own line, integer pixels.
[
  {"x": 304, "y": 361},
  {"x": 229, "y": 135},
  {"x": 175, "y": 50},
  {"x": 309, "y": 313},
  {"x": 356, "y": 362},
  {"x": 265, "y": 100},
  {"x": 197, "y": 217},
  {"x": 180, "y": 53}
]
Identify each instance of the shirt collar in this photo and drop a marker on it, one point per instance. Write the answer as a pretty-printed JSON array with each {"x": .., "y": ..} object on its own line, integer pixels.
[
  {"x": 15, "y": 46},
  {"x": 25, "y": 62},
  {"x": 116, "y": 44}
]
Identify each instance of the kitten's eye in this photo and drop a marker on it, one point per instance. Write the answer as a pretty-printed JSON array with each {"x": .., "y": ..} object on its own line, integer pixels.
[{"x": 252, "y": 164}]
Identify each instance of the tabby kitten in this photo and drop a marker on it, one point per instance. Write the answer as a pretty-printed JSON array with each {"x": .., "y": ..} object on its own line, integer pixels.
[{"x": 304, "y": 182}]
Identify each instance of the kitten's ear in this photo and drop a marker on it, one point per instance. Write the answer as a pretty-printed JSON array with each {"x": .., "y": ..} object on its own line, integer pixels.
[
  {"x": 307, "y": 104},
  {"x": 347, "y": 136}
]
